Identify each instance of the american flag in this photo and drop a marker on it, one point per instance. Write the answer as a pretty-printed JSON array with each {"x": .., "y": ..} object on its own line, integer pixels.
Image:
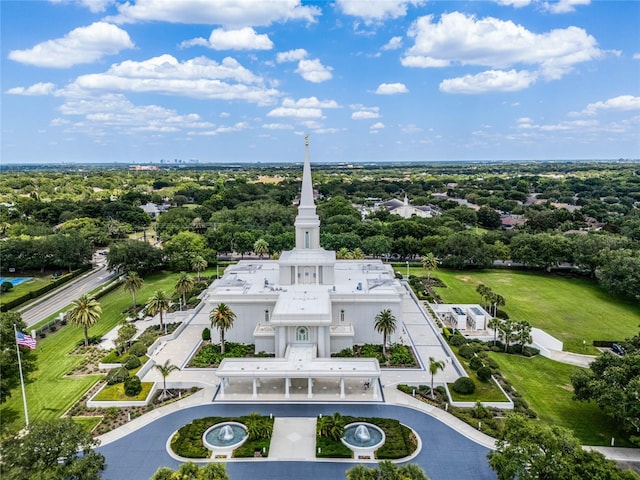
[{"x": 25, "y": 340}]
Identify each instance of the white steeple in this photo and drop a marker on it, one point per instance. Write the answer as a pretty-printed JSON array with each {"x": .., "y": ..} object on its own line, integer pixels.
[{"x": 307, "y": 222}]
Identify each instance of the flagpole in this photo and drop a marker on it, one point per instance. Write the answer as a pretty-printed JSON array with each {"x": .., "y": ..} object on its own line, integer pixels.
[{"x": 24, "y": 396}]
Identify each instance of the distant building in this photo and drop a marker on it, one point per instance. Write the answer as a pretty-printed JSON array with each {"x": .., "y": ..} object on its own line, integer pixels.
[
  {"x": 153, "y": 209},
  {"x": 508, "y": 221},
  {"x": 406, "y": 210}
]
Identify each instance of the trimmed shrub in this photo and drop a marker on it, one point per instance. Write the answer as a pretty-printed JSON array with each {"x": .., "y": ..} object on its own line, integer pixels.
[
  {"x": 206, "y": 334},
  {"x": 132, "y": 362},
  {"x": 466, "y": 351},
  {"x": 132, "y": 385},
  {"x": 530, "y": 351},
  {"x": 457, "y": 340},
  {"x": 138, "y": 349},
  {"x": 475, "y": 363},
  {"x": 117, "y": 375},
  {"x": 464, "y": 385},
  {"x": 6, "y": 287},
  {"x": 484, "y": 374}
]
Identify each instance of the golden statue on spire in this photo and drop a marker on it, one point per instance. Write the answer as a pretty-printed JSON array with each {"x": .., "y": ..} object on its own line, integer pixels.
[{"x": 306, "y": 140}]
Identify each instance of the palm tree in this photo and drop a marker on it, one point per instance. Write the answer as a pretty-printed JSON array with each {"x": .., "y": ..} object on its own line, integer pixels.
[
  {"x": 484, "y": 292},
  {"x": 158, "y": 303},
  {"x": 508, "y": 329},
  {"x": 358, "y": 254},
  {"x": 184, "y": 285},
  {"x": 523, "y": 334},
  {"x": 386, "y": 325},
  {"x": 434, "y": 366},
  {"x": 494, "y": 324},
  {"x": 165, "y": 370},
  {"x": 85, "y": 312},
  {"x": 199, "y": 264},
  {"x": 260, "y": 247},
  {"x": 498, "y": 301},
  {"x": 222, "y": 318},
  {"x": 430, "y": 264},
  {"x": 132, "y": 284}
]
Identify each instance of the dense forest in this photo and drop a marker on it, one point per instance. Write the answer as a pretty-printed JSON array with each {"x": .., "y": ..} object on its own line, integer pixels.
[{"x": 579, "y": 215}]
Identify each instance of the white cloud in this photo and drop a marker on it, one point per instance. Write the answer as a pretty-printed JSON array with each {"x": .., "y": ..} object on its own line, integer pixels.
[
  {"x": 621, "y": 103},
  {"x": 95, "y": 6},
  {"x": 295, "y": 112},
  {"x": 489, "y": 81},
  {"x": 199, "y": 77},
  {"x": 35, "y": 89},
  {"x": 376, "y": 126},
  {"x": 81, "y": 45},
  {"x": 314, "y": 71},
  {"x": 242, "y": 39},
  {"x": 310, "y": 70},
  {"x": 364, "y": 113},
  {"x": 393, "y": 44},
  {"x": 309, "y": 107},
  {"x": 115, "y": 111},
  {"x": 277, "y": 126},
  {"x": 391, "y": 88},
  {"x": 636, "y": 56},
  {"x": 291, "y": 56},
  {"x": 564, "y": 6},
  {"x": 513, "y": 3},
  {"x": 377, "y": 10},
  {"x": 465, "y": 40},
  {"x": 564, "y": 126},
  {"x": 235, "y": 13}
]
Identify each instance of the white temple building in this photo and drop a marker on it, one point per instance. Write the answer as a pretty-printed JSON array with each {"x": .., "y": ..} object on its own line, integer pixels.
[{"x": 305, "y": 306}]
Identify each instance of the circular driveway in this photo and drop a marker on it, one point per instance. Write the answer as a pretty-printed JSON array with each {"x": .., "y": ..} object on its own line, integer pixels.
[{"x": 445, "y": 453}]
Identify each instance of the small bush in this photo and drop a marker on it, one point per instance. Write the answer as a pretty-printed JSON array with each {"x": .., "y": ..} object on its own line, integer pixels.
[
  {"x": 206, "y": 335},
  {"x": 496, "y": 349},
  {"x": 132, "y": 362},
  {"x": 117, "y": 375},
  {"x": 6, "y": 287},
  {"x": 466, "y": 351},
  {"x": 132, "y": 385},
  {"x": 138, "y": 349},
  {"x": 475, "y": 363},
  {"x": 530, "y": 351},
  {"x": 491, "y": 363},
  {"x": 464, "y": 386},
  {"x": 484, "y": 374},
  {"x": 457, "y": 340}
]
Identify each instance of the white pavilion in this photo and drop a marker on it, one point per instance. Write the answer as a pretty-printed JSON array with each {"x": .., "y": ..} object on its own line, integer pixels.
[{"x": 304, "y": 307}]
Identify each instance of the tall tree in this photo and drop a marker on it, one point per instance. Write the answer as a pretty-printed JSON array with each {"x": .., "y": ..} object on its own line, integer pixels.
[
  {"x": 222, "y": 318},
  {"x": 387, "y": 471},
  {"x": 132, "y": 284},
  {"x": 385, "y": 323},
  {"x": 494, "y": 324},
  {"x": 157, "y": 304},
  {"x": 508, "y": 329},
  {"x": 85, "y": 312},
  {"x": 430, "y": 264},
  {"x": 527, "y": 450},
  {"x": 165, "y": 370},
  {"x": 434, "y": 366},
  {"x": 55, "y": 449},
  {"x": 198, "y": 264},
  {"x": 184, "y": 285},
  {"x": 10, "y": 376}
]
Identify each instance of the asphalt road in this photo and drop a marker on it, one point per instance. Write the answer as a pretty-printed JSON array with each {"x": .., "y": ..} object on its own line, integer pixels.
[
  {"x": 445, "y": 454},
  {"x": 56, "y": 300}
]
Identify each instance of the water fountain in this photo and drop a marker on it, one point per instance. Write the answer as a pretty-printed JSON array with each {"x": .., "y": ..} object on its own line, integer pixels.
[
  {"x": 222, "y": 439},
  {"x": 363, "y": 439}
]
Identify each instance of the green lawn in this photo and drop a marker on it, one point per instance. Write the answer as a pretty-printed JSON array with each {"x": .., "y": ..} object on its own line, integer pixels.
[
  {"x": 51, "y": 392},
  {"x": 572, "y": 310},
  {"x": 546, "y": 387},
  {"x": 116, "y": 392},
  {"x": 23, "y": 288}
]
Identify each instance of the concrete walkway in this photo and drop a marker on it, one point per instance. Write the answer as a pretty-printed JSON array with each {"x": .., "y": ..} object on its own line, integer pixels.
[
  {"x": 293, "y": 439},
  {"x": 576, "y": 359}
]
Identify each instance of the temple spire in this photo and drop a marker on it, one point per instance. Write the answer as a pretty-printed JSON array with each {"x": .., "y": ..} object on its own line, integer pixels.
[
  {"x": 306, "y": 195},
  {"x": 307, "y": 222}
]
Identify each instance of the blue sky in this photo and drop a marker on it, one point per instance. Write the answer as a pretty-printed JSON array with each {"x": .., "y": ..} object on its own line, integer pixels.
[{"x": 368, "y": 80}]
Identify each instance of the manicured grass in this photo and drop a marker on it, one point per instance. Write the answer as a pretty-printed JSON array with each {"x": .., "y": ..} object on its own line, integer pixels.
[
  {"x": 51, "y": 393},
  {"x": 114, "y": 393},
  {"x": 23, "y": 288},
  {"x": 546, "y": 387},
  {"x": 485, "y": 392},
  {"x": 572, "y": 310},
  {"x": 88, "y": 423}
]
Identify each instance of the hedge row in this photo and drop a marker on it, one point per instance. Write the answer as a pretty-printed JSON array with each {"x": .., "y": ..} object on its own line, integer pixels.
[{"x": 5, "y": 307}]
